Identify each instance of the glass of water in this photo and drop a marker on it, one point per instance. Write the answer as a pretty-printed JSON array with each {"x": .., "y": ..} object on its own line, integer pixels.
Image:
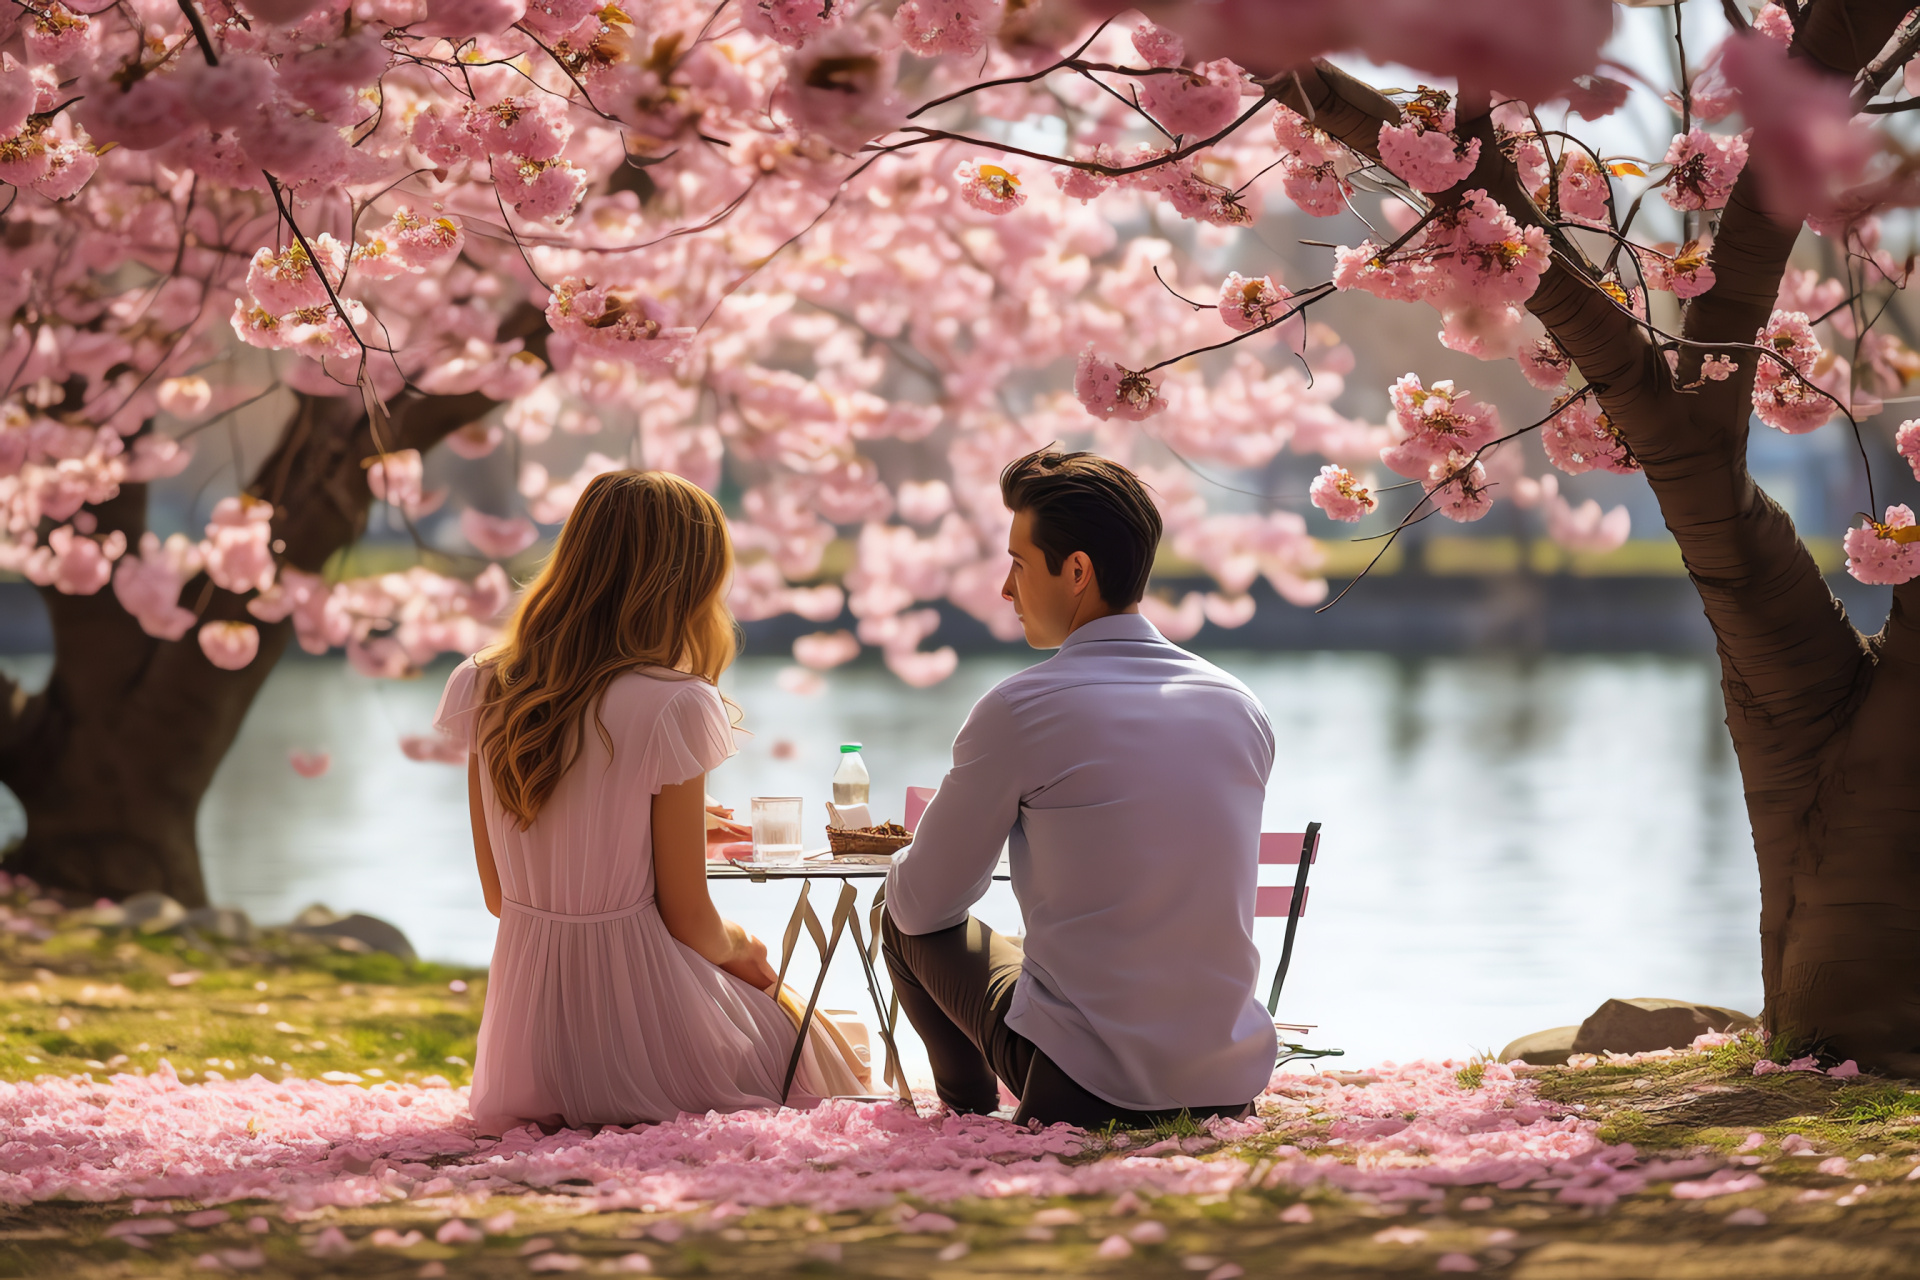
[{"x": 776, "y": 829}]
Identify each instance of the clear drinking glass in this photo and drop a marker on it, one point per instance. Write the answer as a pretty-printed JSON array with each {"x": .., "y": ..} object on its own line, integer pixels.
[{"x": 776, "y": 828}]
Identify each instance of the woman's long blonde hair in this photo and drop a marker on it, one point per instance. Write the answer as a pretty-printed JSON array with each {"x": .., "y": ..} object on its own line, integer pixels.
[{"x": 637, "y": 578}]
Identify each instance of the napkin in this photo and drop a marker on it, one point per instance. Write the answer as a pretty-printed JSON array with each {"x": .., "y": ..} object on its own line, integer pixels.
[{"x": 847, "y": 816}]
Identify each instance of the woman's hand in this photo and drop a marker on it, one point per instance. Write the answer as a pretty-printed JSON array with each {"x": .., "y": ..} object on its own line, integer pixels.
[
  {"x": 749, "y": 959},
  {"x": 721, "y": 829}
]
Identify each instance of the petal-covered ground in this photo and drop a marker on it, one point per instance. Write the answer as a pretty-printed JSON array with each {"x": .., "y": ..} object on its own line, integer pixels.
[
  {"x": 171, "y": 1106},
  {"x": 1401, "y": 1133}
]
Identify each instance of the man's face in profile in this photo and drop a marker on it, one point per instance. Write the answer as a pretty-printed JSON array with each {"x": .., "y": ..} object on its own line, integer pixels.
[{"x": 1045, "y": 602}]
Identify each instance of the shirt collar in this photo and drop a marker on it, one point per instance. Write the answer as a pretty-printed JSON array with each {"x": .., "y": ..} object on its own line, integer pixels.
[{"x": 1115, "y": 626}]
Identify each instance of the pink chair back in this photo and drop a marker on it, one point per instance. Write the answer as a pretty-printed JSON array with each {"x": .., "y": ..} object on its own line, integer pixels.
[
  {"x": 1284, "y": 849},
  {"x": 917, "y": 798},
  {"x": 1277, "y": 900}
]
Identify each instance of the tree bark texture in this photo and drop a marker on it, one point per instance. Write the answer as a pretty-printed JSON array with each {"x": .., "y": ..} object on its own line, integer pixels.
[
  {"x": 1816, "y": 710},
  {"x": 111, "y": 759}
]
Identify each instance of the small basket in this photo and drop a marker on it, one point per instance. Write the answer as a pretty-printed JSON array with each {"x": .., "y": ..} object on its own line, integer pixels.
[{"x": 865, "y": 841}]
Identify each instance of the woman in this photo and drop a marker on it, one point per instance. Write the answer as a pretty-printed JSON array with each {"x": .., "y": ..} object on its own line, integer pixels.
[{"x": 617, "y": 994}]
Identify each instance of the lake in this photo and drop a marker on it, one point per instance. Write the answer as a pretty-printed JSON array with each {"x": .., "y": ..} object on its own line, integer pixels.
[{"x": 1509, "y": 841}]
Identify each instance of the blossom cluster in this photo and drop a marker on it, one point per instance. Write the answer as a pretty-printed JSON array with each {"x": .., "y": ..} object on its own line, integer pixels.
[
  {"x": 730, "y": 266},
  {"x": 1471, "y": 261}
]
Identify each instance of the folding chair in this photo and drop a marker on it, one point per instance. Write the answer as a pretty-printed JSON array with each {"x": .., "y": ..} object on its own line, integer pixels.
[{"x": 1288, "y": 849}]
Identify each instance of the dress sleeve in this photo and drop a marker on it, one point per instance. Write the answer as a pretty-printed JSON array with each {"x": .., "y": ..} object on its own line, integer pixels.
[
  {"x": 693, "y": 735},
  {"x": 460, "y": 705}
]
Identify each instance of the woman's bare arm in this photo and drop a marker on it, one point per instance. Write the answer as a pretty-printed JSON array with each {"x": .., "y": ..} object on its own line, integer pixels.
[
  {"x": 482, "y": 846},
  {"x": 680, "y": 886}
]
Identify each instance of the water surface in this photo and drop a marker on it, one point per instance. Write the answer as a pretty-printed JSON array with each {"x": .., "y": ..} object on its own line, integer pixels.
[{"x": 1508, "y": 842}]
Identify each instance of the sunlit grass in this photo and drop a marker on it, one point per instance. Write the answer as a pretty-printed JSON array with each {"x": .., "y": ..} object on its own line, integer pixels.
[{"x": 92, "y": 1000}]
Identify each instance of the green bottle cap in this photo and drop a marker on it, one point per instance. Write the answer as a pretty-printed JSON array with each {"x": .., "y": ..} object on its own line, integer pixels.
[{"x": 848, "y": 746}]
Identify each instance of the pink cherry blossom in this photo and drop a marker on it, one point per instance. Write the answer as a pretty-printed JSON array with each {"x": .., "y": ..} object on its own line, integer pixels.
[
  {"x": 629, "y": 327},
  {"x": 55, "y": 35},
  {"x": 432, "y": 748},
  {"x": 1581, "y": 438},
  {"x": 922, "y": 503},
  {"x": 824, "y": 650},
  {"x": 1586, "y": 527},
  {"x": 841, "y": 87},
  {"x": 187, "y": 398},
  {"x": 1432, "y": 424},
  {"x": 1704, "y": 166},
  {"x": 529, "y": 126},
  {"x": 72, "y": 563},
  {"x": 919, "y": 669},
  {"x": 236, "y": 551},
  {"x": 1683, "y": 271},
  {"x": 1907, "y": 441},
  {"x": 1311, "y": 171},
  {"x": 309, "y": 764},
  {"x": 1081, "y": 185},
  {"x": 287, "y": 281},
  {"x": 69, "y": 166},
  {"x": 1717, "y": 368},
  {"x": 1807, "y": 146},
  {"x": 1157, "y": 46},
  {"x": 1250, "y": 304},
  {"x": 789, "y": 22},
  {"x": 497, "y": 538},
  {"x": 229, "y": 645},
  {"x": 990, "y": 188},
  {"x": 931, "y": 28},
  {"x": 148, "y": 585},
  {"x": 1459, "y": 488},
  {"x": 1343, "y": 497},
  {"x": 1319, "y": 189},
  {"x": 543, "y": 190},
  {"x": 139, "y": 114},
  {"x": 397, "y": 478},
  {"x": 1784, "y": 395},
  {"x": 1228, "y": 611},
  {"x": 1583, "y": 189},
  {"x": 1879, "y": 553},
  {"x": 1109, "y": 391},
  {"x": 1195, "y": 104},
  {"x": 1180, "y": 622},
  {"x": 1545, "y": 363},
  {"x": 1422, "y": 149}
]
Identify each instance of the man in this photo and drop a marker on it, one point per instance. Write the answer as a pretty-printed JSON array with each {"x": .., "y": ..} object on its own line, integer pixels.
[{"x": 1126, "y": 777}]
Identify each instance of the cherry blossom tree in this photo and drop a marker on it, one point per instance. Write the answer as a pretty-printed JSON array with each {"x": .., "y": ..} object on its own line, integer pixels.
[{"x": 778, "y": 239}]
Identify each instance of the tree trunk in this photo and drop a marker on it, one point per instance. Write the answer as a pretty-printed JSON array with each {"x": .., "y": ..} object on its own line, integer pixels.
[
  {"x": 1818, "y": 713},
  {"x": 111, "y": 760}
]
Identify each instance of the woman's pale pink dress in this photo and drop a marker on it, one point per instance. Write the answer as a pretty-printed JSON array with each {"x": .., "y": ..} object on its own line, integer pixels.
[{"x": 595, "y": 1014}]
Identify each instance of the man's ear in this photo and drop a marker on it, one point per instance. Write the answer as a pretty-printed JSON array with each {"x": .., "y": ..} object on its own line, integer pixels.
[{"x": 1079, "y": 567}]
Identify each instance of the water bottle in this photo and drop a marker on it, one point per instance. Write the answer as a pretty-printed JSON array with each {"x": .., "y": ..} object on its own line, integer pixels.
[{"x": 850, "y": 779}]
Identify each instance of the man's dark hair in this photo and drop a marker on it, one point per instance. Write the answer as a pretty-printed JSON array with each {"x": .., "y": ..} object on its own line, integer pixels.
[{"x": 1083, "y": 502}]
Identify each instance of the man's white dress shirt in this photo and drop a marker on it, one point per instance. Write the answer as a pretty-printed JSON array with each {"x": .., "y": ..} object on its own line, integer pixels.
[{"x": 1126, "y": 777}]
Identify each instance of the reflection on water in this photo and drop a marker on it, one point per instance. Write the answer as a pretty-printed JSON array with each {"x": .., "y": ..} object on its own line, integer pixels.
[{"x": 1508, "y": 842}]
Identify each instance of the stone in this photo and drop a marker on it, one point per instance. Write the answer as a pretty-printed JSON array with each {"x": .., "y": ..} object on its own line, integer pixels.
[
  {"x": 104, "y": 915},
  {"x": 228, "y": 923},
  {"x": 152, "y": 912},
  {"x": 370, "y": 932},
  {"x": 315, "y": 916},
  {"x": 1640, "y": 1026},
  {"x": 1550, "y": 1048}
]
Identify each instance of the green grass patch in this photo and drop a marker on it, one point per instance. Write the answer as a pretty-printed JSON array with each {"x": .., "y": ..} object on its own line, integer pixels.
[{"x": 1878, "y": 1102}]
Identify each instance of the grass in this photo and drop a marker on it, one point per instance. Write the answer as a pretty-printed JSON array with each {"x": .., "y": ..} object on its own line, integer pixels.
[
  {"x": 1877, "y": 1102},
  {"x": 90, "y": 1000}
]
